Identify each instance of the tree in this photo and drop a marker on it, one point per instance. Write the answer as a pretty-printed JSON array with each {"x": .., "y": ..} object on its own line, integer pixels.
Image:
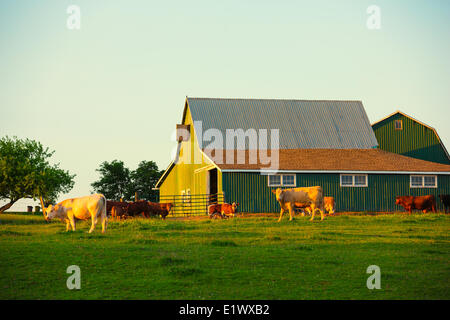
[
  {"x": 144, "y": 179},
  {"x": 114, "y": 181},
  {"x": 26, "y": 173}
]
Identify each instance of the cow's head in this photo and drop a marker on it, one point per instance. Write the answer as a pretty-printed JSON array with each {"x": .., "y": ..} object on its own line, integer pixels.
[
  {"x": 234, "y": 206},
  {"x": 398, "y": 200},
  {"x": 52, "y": 212},
  {"x": 279, "y": 194}
]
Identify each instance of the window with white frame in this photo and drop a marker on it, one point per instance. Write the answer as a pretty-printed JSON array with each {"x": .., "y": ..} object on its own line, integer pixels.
[
  {"x": 282, "y": 180},
  {"x": 354, "y": 180},
  {"x": 274, "y": 180},
  {"x": 422, "y": 181},
  {"x": 289, "y": 180}
]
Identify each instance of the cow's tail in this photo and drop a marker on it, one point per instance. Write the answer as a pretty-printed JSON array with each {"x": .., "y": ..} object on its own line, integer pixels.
[
  {"x": 103, "y": 200},
  {"x": 103, "y": 213}
]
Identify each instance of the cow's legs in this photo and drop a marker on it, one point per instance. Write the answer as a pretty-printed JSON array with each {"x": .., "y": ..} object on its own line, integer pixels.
[
  {"x": 281, "y": 214},
  {"x": 313, "y": 211},
  {"x": 94, "y": 223},
  {"x": 321, "y": 214},
  {"x": 72, "y": 223},
  {"x": 290, "y": 207},
  {"x": 104, "y": 223},
  {"x": 67, "y": 225}
]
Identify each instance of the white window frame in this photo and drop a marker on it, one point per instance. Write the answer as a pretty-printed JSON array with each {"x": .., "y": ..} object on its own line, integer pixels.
[
  {"x": 282, "y": 184},
  {"x": 353, "y": 180},
  {"x": 289, "y": 185},
  {"x": 274, "y": 185},
  {"x": 423, "y": 181}
]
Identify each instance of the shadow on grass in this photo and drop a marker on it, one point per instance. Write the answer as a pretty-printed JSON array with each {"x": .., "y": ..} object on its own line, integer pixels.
[
  {"x": 223, "y": 243},
  {"x": 169, "y": 261},
  {"x": 184, "y": 272}
]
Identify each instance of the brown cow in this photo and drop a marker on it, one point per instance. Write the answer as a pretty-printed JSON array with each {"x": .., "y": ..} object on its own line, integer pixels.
[
  {"x": 225, "y": 209},
  {"x": 118, "y": 212},
  {"x": 445, "y": 198},
  {"x": 423, "y": 203},
  {"x": 110, "y": 204},
  {"x": 159, "y": 209},
  {"x": 140, "y": 207}
]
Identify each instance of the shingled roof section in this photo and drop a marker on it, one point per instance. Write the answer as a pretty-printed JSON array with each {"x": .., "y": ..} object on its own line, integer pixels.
[
  {"x": 302, "y": 124},
  {"x": 366, "y": 160}
]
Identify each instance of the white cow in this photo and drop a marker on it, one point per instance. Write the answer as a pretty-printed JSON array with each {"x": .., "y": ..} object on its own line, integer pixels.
[
  {"x": 302, "y": 197},
  {"x": 83, "y": 208}
]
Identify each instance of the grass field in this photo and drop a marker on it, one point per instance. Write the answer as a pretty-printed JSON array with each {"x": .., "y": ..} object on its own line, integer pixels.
[{"x": 241, "y": 258}]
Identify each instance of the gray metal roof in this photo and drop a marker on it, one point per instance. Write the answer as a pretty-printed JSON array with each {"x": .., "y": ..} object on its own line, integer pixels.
[{"x": 302, "y": 124}]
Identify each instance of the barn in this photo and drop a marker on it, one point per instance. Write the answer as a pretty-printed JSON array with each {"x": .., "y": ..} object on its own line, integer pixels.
[
  {"x": 402, "y": 134},
  {"x": 300, "y": 143}
]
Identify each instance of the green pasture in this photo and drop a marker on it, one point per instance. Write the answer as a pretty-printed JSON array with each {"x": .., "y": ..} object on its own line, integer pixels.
[{"x": 241, "y": 258}]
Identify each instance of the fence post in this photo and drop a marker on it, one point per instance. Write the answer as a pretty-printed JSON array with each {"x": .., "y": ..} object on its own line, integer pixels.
[{"x": 136, "y": 196}]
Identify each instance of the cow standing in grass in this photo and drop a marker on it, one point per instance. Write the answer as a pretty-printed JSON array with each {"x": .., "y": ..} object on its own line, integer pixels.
[
  {"x": 301, "y": 197},
  {"x": 423, "y": 203},
  {"x": 445, "y": 199},
  {"x": 90, "y": 207},
  {"x": 224, "y": 210}
]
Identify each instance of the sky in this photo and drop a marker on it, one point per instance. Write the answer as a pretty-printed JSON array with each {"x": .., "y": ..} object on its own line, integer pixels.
[{"x": 115, "y": 88}]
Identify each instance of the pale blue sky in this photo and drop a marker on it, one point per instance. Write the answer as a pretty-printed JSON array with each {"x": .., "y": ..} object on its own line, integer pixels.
[{"x": 115, "y": 89}]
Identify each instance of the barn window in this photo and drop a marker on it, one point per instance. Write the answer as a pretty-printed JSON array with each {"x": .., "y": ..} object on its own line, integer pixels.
[
  {"x": 285, "y": 180},
  {"x": 419, "y": 181},
  {"x": 289, "y": 180},
  {"x": 398, "y": 125},
  {"x": 354, "y": 180},
  {"x": 274, "y": 180}
]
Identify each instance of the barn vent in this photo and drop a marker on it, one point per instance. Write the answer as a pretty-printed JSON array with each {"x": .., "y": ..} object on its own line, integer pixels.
[{"x": 183, "y": 132}]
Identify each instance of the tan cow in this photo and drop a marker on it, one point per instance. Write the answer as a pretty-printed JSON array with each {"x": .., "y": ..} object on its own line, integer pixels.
[
  {"x": 328, "y": 203},
  {"x": 301, "y": 197},
  {"x": 83, "y": 208}
]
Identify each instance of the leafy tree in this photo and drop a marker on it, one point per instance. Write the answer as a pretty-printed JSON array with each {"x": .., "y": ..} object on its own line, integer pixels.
[
  {"x": 144, "y": 179},
  {"x": 26, "y": 173},
  {"x": 114, "y": 180}
]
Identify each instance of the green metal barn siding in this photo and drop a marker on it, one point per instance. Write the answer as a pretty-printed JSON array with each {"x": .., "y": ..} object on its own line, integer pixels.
[
  {"x": 251, "y": 191},
  {"x": 415, "y": 140}
]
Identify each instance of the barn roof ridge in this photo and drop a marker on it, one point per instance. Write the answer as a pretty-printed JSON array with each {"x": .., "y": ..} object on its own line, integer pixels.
[{"x": 275, "y": 99}]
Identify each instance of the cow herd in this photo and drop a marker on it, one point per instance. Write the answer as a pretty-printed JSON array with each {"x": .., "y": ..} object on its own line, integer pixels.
[
  {"x": 146, "y": 209},
  {"x": 311, "y": 199},
  {"x": 308, "y": 199}
]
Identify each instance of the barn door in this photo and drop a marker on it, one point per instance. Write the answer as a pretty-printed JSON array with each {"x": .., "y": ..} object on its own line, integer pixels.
[{"x": 212, "y": 185}]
